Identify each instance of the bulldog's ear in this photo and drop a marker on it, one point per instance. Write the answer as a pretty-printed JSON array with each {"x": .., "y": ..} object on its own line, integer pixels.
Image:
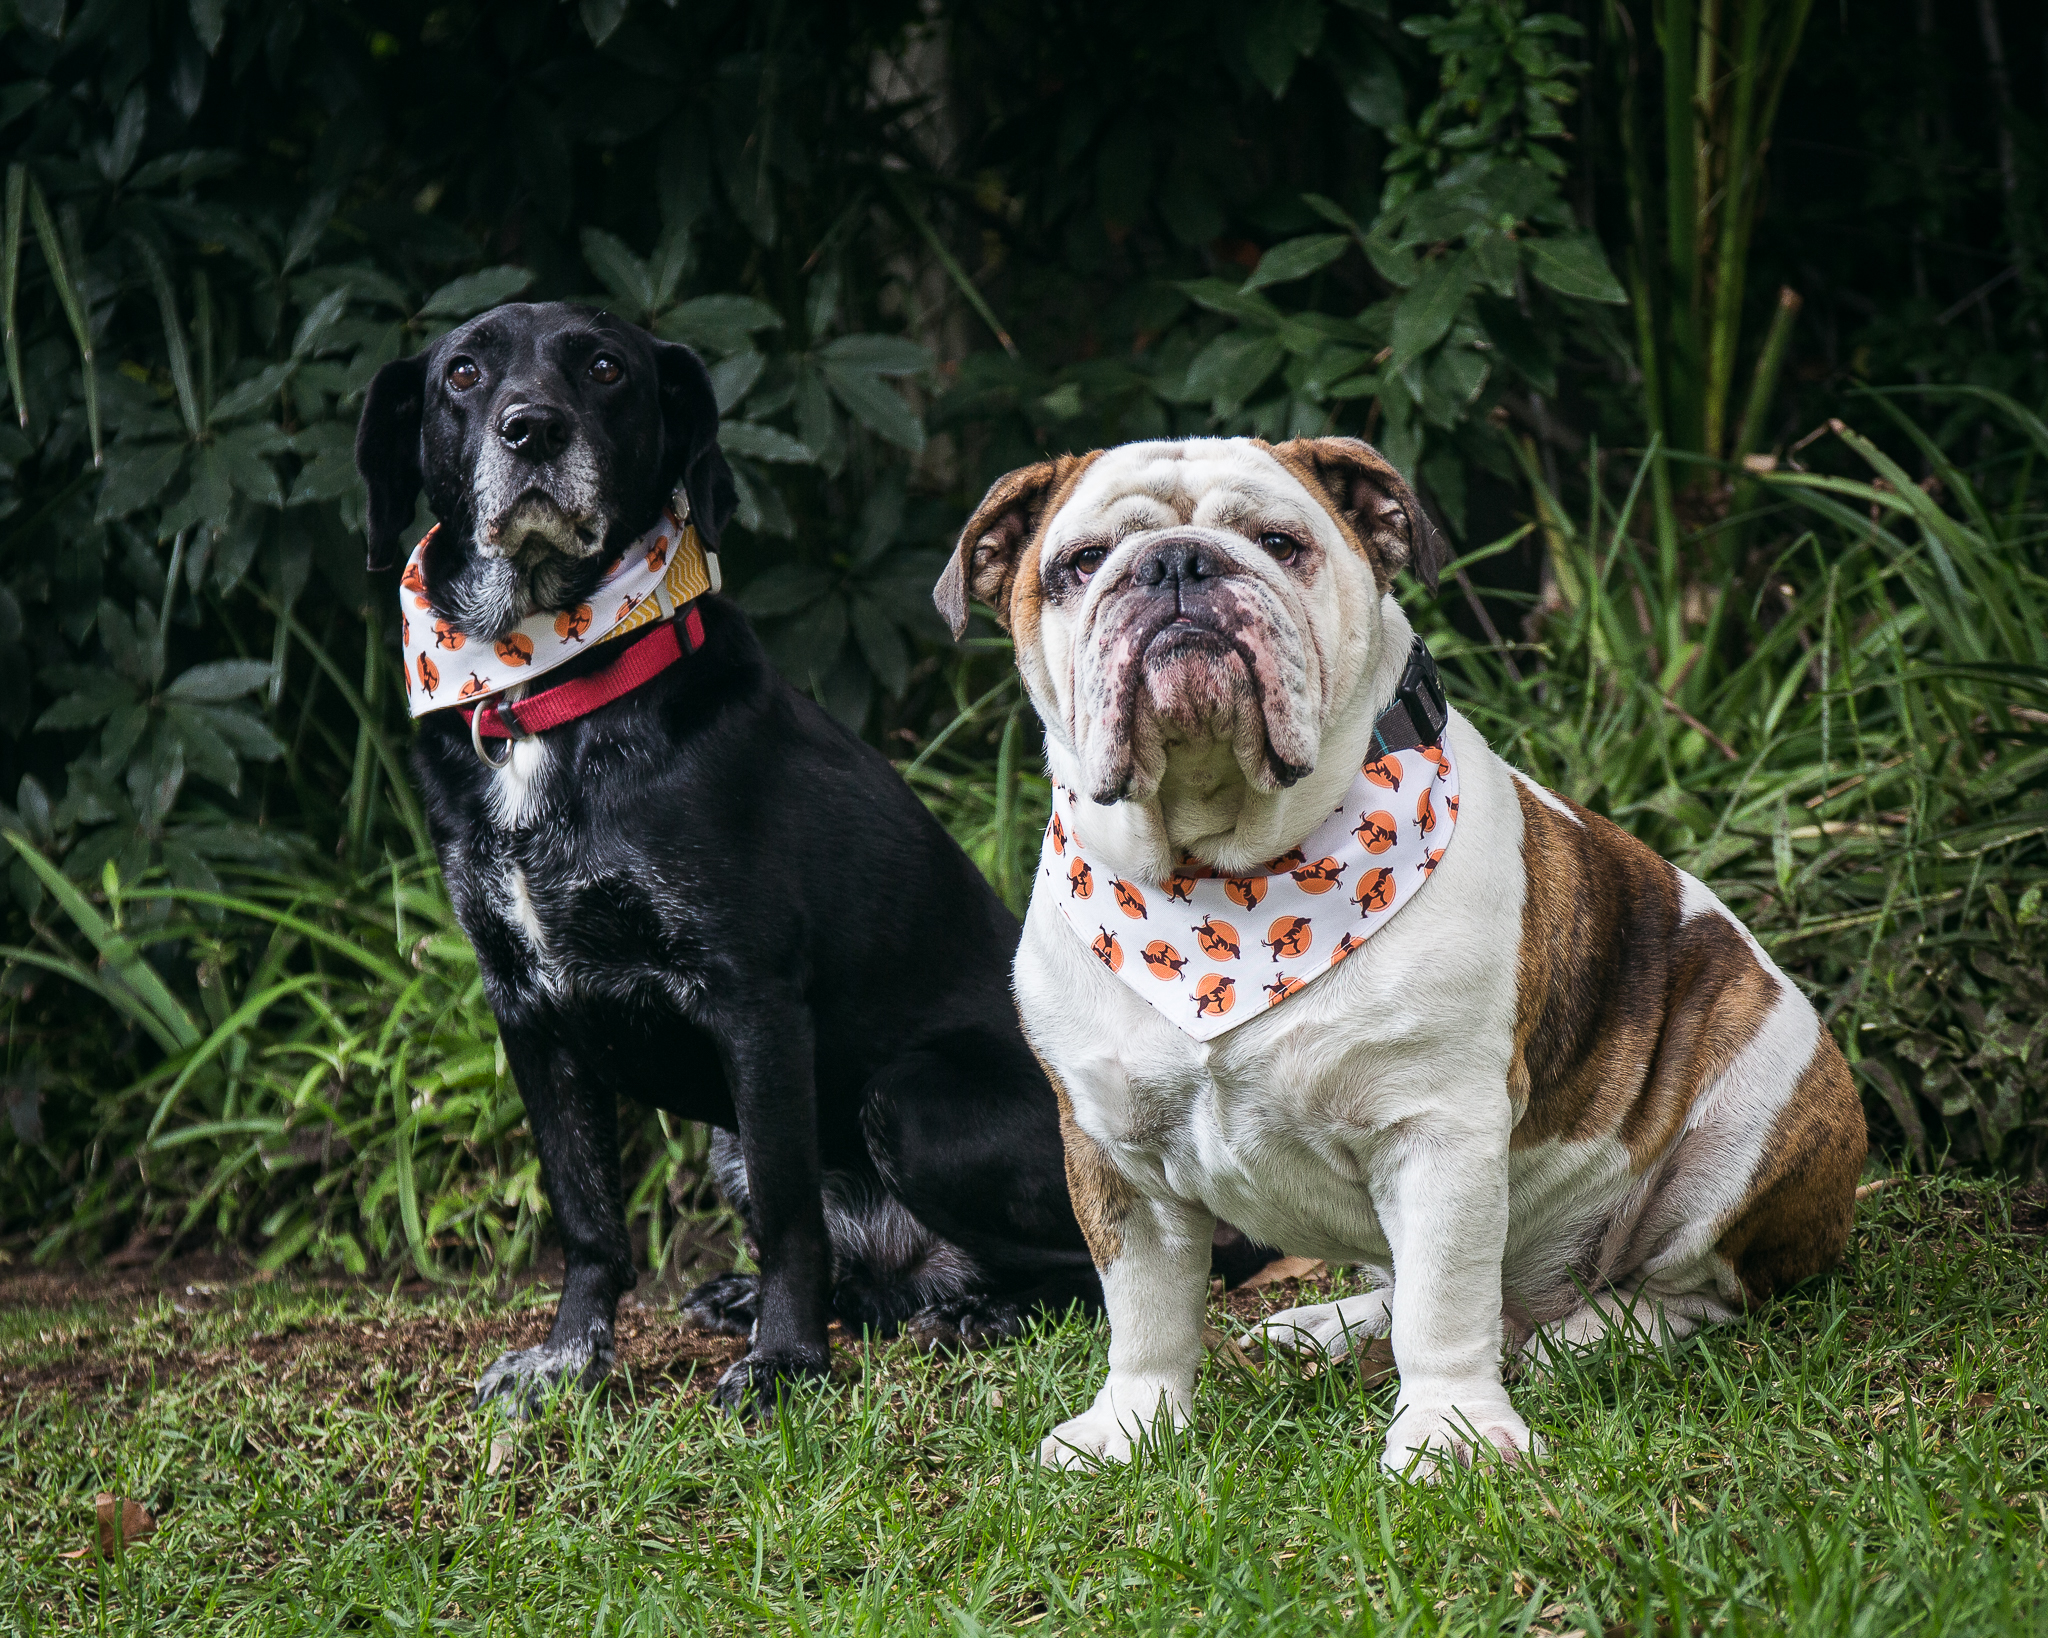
[
  {"x": 984, "y": 563},
  {"x": 689, "y": 424},
  {"x": 1370, "y": 496},
  {"x": 388, "y": 454}
]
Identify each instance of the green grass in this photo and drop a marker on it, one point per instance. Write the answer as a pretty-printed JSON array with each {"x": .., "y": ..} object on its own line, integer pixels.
[{"x": 1864, "y": 1457}]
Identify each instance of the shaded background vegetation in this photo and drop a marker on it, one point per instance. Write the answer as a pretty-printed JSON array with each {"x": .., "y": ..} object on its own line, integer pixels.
[{"x": 1716, "y": 346}]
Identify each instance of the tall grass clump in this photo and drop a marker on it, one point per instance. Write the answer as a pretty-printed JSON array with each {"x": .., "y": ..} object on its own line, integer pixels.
[{"x": 1849, "y": 743}]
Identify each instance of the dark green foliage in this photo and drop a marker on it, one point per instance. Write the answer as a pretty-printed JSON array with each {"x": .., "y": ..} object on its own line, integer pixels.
[{"x": 920, "y": 246}]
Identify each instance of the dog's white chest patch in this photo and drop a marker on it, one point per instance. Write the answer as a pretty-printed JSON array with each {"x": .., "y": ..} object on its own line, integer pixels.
[
  {"x": 516, "y": 901},
  {"x": 515, "y": 787}
]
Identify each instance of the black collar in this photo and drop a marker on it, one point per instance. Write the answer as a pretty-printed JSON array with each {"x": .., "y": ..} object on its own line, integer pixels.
[{"x": 1419, "y": 713}]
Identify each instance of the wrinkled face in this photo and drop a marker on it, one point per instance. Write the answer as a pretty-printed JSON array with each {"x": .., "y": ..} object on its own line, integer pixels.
[
  {"x": 1209, "y": 597},
  {"x": 540, "y": 433}
]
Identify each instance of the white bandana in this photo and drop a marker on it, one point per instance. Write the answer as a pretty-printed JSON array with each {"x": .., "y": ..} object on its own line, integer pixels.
[
  {"x": 660, "y": 572},
  {"x": 1211, "y": 951}
]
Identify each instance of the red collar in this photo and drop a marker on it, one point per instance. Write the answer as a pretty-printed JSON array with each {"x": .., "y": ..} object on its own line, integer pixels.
[{"x": 642, "y": 662}]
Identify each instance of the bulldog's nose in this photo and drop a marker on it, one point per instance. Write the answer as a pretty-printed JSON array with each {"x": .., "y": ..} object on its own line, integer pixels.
[
  {"x": 1175, "y": 565},
  {"x": 539, "y": 432}
]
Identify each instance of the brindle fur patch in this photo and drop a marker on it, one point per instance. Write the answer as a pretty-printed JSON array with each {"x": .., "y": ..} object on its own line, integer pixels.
[
  {"x": 1102, "y": 1197},
  {"x": 1623, "y": 1014},
  {"x": 1796, "y": 1219}
]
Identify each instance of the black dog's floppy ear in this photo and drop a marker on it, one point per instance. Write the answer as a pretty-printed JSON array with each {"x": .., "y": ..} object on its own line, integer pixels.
[
  {"x": 1392, "y": 529},
  {"x": 689, "y": 424},
  {"x": 991, "y": 550},
  {"x": 388, "y": 453}
]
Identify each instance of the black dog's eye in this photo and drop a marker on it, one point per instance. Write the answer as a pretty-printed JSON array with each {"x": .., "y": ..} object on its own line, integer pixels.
[
  {"x": 463, "y": 374},
  {"x": 1087, "y": 560},
  {"x": 604, "y": 369},
  {"x": 1282, "y": 547}
]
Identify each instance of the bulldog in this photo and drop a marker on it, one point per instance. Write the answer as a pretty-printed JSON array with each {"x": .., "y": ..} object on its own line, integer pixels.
[{"x": 1538, "y": 1082}]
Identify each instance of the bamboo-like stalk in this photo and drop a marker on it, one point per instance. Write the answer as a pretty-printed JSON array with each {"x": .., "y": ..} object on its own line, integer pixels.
[
  {"x": 1763, "y": 382},
  {"x": 1678, "y": 27},
  {"x": 1738, "y": 210}
]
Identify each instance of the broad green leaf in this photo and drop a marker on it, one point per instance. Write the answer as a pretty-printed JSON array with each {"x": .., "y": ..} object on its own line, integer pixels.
[
  {"x": 878, "y": 355},
  {"x": 1231, "y": 368},
  {"x": 1228, "y": 299},
  {"x": 328, "y": 451},
  {"x": 207, "y": 498},
  {"x": 19, "y": 98},
  {"x": 218, "y": 680},
  {"x": 733, "y": 376},
  {"x": 209, "y": 18},
  {"x": 1426, "y": 311},
  {"x": 87, "y": 707},
  {"x": 764, "y": 443},
  {"x": 1574, "y": 265},
  {"x": 877, "y": 406},
  {"x": 625, "y": 275},
  {"x": 601, "y": 18},
  {"x": 254, "y": 394},
  {"x": 1373, "y": 91},
  {"x": 727, "y": 323},
  {"x": 137, "y": 474},
  {"x": 881, "y": 645},
  {"x": 808, "y": 646},
  {"x": 473, "y": 292},
  {"x": 243, "y": 730},
  {"x": 783, "y": 590},
  {"x": 1277, "y": 34},
  {"x": 315, "y": 329},
  {"x": 1296, "y": 259},
  {"x": 241, "y": 452}
]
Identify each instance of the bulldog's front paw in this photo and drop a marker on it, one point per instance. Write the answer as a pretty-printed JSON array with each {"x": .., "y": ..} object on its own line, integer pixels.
[
  {"x": 1481, "y": 1424},
  {"x": 1332, "y": 1329},
  {"x": 1112, "y": 1428},
  {"x": 755, "y": 1383},
  {"x": 525, "y": 1377}
]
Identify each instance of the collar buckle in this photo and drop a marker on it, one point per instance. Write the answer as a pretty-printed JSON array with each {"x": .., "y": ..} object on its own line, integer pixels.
[{"x": 1420, "y": 711}]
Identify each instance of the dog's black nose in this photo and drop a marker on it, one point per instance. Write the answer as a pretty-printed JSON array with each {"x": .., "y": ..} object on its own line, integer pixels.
[
  {"x": 1174, "y": 564},
  {"x": 539, "y": 432}
]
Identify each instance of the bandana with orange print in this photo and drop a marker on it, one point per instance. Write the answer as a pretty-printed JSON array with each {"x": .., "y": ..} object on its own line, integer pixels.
[
  {"x": 659, "y": 573},
  {"x": 1210, "y": 951}
]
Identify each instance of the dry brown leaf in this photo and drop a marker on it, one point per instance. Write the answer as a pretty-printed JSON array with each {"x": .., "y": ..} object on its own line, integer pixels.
[
  {"x": 1225, "y": 1347},
  {"x": 1865, "y": 1190},
  {"x": 1376, "y": 1362},
  {"x": 121, "y": 1520},
  {"x": 502, "y": 1446},
  {"x": 1284, "y": 1268}
]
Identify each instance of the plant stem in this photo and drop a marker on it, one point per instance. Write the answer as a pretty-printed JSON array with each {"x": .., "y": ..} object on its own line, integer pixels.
[
  {"x": 1678, "y": 32},
  {"x": 1763, "y": 382}
]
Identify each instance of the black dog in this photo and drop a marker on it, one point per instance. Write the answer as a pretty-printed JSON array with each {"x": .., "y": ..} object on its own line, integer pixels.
[{"x": 708, "y": 896}]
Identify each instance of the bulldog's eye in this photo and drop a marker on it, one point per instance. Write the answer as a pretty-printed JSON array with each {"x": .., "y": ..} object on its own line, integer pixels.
[
  {"x": 1087, "y": 560},
  {"x": 604, "y": 369},
  {"x": 463, "y": 374},
  {"x": 1282, "y": 547}
]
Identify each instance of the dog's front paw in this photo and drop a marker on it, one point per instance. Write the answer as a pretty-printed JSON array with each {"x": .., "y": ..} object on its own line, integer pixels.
[
  {"x": 1332, "y": 1329},
  {"x": 755, "y": 1383},
  {"x": 1481, "y": 1424},
  {"x": 962, "y": 1324},
  {"x": 726, "y": 1306},
  {"x": 1112, "y": 1428},
  {"x": 526, "y": 1376}
]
